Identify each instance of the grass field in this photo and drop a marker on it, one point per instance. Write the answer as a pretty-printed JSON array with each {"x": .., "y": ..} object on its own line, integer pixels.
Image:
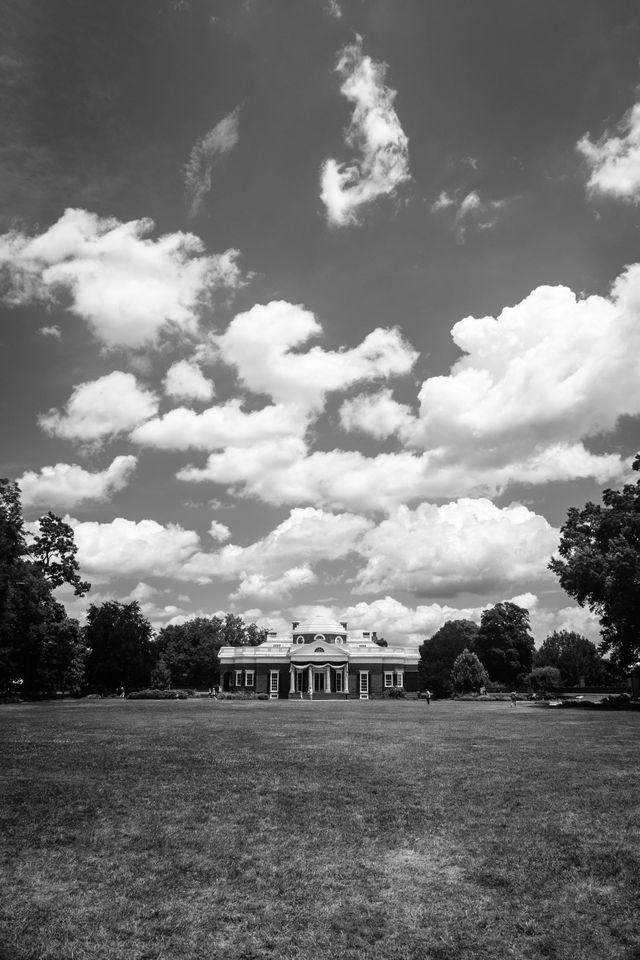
[{"x": 380, "y": 830}]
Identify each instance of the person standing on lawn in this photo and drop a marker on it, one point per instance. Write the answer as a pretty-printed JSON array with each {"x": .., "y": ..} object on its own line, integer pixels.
[{"x": 514, "y": 699}]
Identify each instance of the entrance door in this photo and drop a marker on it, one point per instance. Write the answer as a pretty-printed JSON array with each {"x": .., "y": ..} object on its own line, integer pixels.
[
  {"x": 364, "y": 685},
  {"x": 318, "y": 682},
  {"x": 274, "y": 684}
]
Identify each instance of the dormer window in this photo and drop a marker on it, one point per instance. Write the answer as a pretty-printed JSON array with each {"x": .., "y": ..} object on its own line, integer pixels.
[
  {"x": 319, "y": 636},
  {"x": 339, "y": 640},
  {"x": 299, "y": 639}
]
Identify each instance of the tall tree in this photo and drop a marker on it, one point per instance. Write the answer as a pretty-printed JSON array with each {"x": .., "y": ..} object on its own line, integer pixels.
[
  {"x": 54, "y": 553},
  {"x": 38, "y": 644},
  {"x": 599, "y": 566},
  {"x": 119, "y": 639},
  {"x": 504, "y": 644},
  {"x": 573, "y": 655},
  {"x": 439, "y": 652}
]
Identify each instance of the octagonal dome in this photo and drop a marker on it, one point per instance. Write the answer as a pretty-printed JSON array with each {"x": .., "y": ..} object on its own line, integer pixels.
[{"x": 317, "y": 625}]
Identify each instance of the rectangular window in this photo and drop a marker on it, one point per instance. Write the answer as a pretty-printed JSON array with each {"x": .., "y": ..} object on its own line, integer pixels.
[
  {"x": 400, "y": 678},
  {"x": 274, "y": 683},
  {"x": 249, "y": 678},
  {"x": 388, "y": 679},
  {"x": 364, "y": 685},
  {"x": 339, "y": 679},
  {"x": 299, "y": 681},
  {"x": 238, "y": 678}
]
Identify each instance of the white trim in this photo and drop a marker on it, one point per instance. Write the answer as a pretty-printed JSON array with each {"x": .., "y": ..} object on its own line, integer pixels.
[
  {"x": 363, "y": 684},
  {"x": 274, "y": 684},
  {"x": 238, "y": 678},
  {"x": 400, "y": 678},
  {"x": 388, "y": 678},
  {"x": 319, "y": 637},
  {"x": 249, "y": 678}
]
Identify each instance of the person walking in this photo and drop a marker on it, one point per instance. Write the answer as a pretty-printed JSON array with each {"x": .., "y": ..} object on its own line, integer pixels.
[
  {"x": 514, "y": 699},
  {"x": 428, "y": 696}
]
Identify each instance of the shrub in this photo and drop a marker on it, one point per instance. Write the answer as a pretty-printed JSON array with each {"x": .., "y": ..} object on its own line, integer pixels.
[
  {"x": 396, "y": 693},
  {"x": 242, "y": 696},
  {"x": 155, "y": 694}
]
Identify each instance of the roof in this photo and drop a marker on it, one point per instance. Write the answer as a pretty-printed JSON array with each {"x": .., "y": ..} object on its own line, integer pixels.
[{"x": 319, "y": 625}]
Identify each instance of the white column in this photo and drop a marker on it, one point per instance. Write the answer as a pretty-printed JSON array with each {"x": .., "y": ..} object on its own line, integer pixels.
[
  {"x": 345, "y": 681},
  {"x": 327, "y": 681},
  {"x": 310, "y": 682},
  {"x": 292, "y": 679}
]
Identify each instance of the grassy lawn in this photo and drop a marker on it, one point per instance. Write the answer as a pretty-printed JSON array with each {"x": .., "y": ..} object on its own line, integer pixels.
[{"x": 304, "y": 830}]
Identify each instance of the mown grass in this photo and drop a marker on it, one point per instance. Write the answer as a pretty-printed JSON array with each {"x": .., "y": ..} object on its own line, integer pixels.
[{"x": 303, "y": 830}]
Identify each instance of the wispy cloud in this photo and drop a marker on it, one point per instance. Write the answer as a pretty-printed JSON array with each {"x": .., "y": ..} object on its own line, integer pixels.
[
  {"x": 469, "y": 209},
  {"x": 204, "y": 156},
  {"x": 615, "y": 161},
  {"x": 374, "y": 131}
]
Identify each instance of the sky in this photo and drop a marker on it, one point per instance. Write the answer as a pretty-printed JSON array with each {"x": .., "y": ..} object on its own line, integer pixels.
[{"x": 320, "y": 306}]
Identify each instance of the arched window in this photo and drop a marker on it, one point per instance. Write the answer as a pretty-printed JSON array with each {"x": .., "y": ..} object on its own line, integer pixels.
[
  {"x": 339, "y": 640},
  {"x": 319, "y": 636},
  {"x": 319, "y": 650},
  {"x": 300, "y": 640}
]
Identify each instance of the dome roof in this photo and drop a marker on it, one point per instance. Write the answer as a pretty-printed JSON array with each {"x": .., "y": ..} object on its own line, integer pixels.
[{"x": 320, "y": 625}]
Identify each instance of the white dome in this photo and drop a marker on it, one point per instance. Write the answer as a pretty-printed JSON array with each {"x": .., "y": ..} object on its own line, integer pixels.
[{"x": 320, "y": 625}]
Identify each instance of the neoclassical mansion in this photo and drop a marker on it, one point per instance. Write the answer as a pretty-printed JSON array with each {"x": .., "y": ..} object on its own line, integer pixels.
[{"x": 321, "y": 659}]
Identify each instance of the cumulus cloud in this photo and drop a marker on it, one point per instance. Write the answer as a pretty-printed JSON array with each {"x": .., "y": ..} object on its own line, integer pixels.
[
  {"x": 614, "y": 161},
  {"x": 65, "y": 485},
  {"x": 268, "y": 589},
  {"x": 128, "y": 548},
  {"x": 377, "y": 414},
  {"x": 129, "y": 289},
  {"x": 261, "y": 341},
  {"x": 101, "y": 408},
  {"x": 306, "y": 537},
  {"x": 186, "y": 381},
  {"x": 226, "y": 425},
  {"x": 204, "y": 156},
  {"x": 375, "y": 132},
  {"x": 219, "y": 531},
  {"x": 52, "y": 331},
  {"x": 467, "y": 546}
]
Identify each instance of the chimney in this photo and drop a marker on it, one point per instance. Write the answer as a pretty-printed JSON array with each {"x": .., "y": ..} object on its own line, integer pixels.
[
  {"x": 343, "y": 623},
  {"x": 294, "y": 624}
]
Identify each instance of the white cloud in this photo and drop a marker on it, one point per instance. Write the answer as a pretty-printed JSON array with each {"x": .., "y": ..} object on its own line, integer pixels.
[
  {"x": 285, "y": 472},
  {"x": 65, "y": 485},
  {"x": 306, "y": 537},
  {"x": 129, "y": 289},
  {"x": 469, "y": 209},
  {"x": 374, "y": 131},
  {"x": 101, "y": 408},
  {"x": 377, "y": 414},
  {"x": 204, "y": 156},
  {"x": 225, "y": 425},
  {"x": 261, "y": 587},
  {"x": 219, "y": 531},
  {"x": 127, "y": 548},
  {"x": 614, "y": 162},
  {"x": 463, "y": 546},
  {"x": 52, "y": 331},
  {"x": 259, "y": 343},
  {"x": 185, "y": 380},
  {"x": 333, "y": 9}
]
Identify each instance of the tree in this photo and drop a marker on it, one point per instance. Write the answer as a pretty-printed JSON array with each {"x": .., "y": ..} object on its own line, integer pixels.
[
  {"x": 38, "y": 643},
  {"x": 574, "y": 657},
  {"x": 598, "y": 564},
  {"x": 119, "y": 639},
  {"x": 544, "y": 679},
  {"x": 439, "y": 652},
  {"x": 160, "y": 676},
  {"x": 54, "y": 553},
  {"x": 190, "y": 649},
  {"x": 504, "y": 643},
  {"x": 468, "y": 674}
]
